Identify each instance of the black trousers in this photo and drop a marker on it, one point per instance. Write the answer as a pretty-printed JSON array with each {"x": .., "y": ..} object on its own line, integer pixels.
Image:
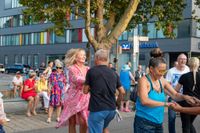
[{"x": 187, "y": 123}]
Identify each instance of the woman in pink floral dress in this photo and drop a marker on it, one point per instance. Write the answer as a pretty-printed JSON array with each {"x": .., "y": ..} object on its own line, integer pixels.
[{"x": 76, "y": 103}]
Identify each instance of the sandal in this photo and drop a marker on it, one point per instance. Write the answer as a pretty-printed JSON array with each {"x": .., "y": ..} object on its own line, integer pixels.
[
  {"x": 57, "y": 119},
  {"x": 46, "y": 110},
  {"x": 28, "y": 114},
  {"x": 48, "y": 120},
  {"x": 34, "y": 113}
]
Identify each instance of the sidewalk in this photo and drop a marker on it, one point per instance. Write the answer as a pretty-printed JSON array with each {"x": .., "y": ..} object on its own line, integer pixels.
[
  {"x": 37, "y": 124},
  {"x": 20, "y": 123}
]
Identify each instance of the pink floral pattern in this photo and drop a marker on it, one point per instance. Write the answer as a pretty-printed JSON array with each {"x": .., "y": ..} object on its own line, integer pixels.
[{"x": 76, "y": 101}]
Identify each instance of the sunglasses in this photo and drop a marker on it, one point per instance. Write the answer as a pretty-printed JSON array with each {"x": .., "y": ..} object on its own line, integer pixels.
[
  {"x": 58, "y": 67},
  {"x": 163, "y": 72}
]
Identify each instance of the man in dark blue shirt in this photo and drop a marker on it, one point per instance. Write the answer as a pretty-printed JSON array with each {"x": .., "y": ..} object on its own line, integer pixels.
[{"x": 102, "y": 83}]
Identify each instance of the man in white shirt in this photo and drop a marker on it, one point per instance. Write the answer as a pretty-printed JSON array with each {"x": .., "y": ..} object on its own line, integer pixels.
[
  {"x": 172, "y": 77},
  {"x": 17, "y": 84}
]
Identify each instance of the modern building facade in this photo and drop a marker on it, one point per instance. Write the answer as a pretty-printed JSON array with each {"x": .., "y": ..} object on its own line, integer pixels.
[
  {"x": 187, "y": 39},
  {"x": 30, "y": 43}
]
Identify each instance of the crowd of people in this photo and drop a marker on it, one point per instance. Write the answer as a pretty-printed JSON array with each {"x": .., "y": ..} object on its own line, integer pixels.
[{"x": 87, "y": 96}]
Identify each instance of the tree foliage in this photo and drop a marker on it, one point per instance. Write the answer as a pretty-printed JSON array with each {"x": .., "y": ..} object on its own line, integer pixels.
[{"x": 110, "y": 18}]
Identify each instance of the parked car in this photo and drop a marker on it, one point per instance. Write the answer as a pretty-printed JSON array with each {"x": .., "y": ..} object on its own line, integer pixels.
[
  {"x": 2, "y": 68},
  {"x": 23, "y": 68}
]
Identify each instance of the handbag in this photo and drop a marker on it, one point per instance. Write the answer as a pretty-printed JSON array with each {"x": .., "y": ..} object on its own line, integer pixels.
[{"x": 133, "y": 95}]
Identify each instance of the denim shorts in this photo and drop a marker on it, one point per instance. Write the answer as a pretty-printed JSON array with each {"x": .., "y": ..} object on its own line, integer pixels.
[
  {"x": 97, "y": 121},
  {"x": 142, "y": 125},
  {"x": 1, "y": 129}
]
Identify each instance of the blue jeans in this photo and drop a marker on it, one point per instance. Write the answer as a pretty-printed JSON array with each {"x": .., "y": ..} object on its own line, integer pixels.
[
  {"x": 171, "y": 119},
  {"x": 98, "y": 121},
  {"x": 142, "y": 125},
  {"x": 1, "y": 129}
]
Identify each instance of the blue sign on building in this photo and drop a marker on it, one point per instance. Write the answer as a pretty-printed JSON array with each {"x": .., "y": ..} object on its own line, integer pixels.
[
  {"x": 149, "y": 45},
  {"x": 126, "y": 46}
]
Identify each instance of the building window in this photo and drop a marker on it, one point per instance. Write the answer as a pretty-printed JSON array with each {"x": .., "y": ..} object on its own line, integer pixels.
[
  {"x": 125, "y": 35},
  {"x": 43, "y": 38},
  {"x": 16, "y": 39},
  {"x": 1, "y": 41},
  {"x": 35, "y": 60},
  {"x": 12, "y": 3},
  {"x": 60, "y": 38},
  {"x": 16, "y": 21},
  {"x": 17, "y": 59},
  {"x": 8, "y": 3},
  {"x": 68, "y": 36},
  {"x": 197, "y": 28},
  {"x": 74, "y": 35},
  {"x": 23, "y": 59},
  {"x": 120, "y": 38},
  {"x": 52, "y": 38},
  {"x": 141, "y": 56},
  {"x": 29, "y": 60},
  {"x": 36, "y": 38},
  {"x": 84, "y": 37},
  {"x": 151, "y": 30},
  {"x": 26, "y": 39},
  {"x": 6, "y": 60},
  {"x": 160, "y": 34},
  {"x": 130, "y": 33},
  {"x": 184, "y": 28}
]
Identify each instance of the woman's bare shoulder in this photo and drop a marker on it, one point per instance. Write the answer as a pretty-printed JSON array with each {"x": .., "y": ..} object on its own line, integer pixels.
[{"x": 143, "y": 80}]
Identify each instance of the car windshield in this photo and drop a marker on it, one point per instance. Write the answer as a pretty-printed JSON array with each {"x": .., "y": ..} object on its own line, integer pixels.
[
  {"x": 1, "y": 66},
  {"x": 18, "y": 66}
]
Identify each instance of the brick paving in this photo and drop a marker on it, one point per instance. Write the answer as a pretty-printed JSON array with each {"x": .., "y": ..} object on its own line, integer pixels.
[
  {"x": 20, "y": 123},
  {"x": 37, "y": 124}
]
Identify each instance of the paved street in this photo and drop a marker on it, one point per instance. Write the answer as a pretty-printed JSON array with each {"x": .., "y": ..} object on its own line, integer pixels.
[
  {"x": 37, "y": 124},
  {"x": 21, "y": 124}
]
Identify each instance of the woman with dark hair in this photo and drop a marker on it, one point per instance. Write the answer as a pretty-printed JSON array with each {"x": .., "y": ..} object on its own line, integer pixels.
[
  {"x": 151, "y": 97},
  {"x": 157, "y": 52}
]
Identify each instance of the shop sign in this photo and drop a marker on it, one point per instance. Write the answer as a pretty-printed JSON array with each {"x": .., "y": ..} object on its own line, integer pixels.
[
  {"x": 149, "y": 45},
  {"x": 126, "y": 46}
]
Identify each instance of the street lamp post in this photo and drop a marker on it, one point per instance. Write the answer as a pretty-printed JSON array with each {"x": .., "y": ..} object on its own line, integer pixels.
[{"x": 135, "y": 55}]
